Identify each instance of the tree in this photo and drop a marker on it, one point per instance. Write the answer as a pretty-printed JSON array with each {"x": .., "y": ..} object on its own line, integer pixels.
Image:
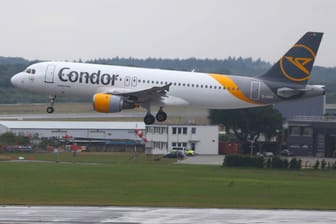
[
  {"x": 248, "y": 124},
  {"x": 10, "y": 138}
]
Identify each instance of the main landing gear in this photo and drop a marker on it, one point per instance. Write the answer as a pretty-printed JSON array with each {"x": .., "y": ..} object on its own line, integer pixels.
[
  {"x": 50, "y": 109},
  {"x": 149, "y": 118}
]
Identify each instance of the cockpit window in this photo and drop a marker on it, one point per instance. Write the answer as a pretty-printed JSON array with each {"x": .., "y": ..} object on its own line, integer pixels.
[{"x": 31, "y": 71}]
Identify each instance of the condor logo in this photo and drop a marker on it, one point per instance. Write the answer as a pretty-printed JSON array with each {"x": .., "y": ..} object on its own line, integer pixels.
[
  {"x": 297, "y": 63},
  {"x": 66, "y": 75}
]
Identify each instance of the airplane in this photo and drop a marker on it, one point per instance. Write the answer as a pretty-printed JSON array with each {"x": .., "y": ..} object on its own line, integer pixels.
[{"x": 115, "y": 88}]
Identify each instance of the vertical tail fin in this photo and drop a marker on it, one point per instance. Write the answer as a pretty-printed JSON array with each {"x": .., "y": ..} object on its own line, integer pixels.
[{"x": 295, "y": 66}]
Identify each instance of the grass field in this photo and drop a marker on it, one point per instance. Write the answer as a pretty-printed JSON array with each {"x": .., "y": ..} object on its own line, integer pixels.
[{"x": 131, "y": 180}]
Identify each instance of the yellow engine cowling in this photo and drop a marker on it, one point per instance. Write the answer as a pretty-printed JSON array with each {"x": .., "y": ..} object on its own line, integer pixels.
[{"x": 107, "y": 103}]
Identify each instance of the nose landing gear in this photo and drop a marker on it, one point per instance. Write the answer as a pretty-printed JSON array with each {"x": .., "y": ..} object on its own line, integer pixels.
[{"x": 50, "y": 109}]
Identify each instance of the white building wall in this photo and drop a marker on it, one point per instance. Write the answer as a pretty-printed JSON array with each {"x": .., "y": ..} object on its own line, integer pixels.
[
  {"x": 207, "y": 140},
  {"x": 203, "y": 139}
]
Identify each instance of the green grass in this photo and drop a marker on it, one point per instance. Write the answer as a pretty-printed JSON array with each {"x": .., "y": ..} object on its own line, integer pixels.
[{"x": 117, "y": 179}]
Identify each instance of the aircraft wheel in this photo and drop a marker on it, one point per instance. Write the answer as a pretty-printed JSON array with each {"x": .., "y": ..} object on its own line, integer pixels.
[
  {"x": 50, "y": 110},
  {"x": 149, "y": 119},
  {"x": 161, "y": 116}
]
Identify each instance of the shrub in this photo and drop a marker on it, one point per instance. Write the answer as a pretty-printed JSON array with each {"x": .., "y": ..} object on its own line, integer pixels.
[
  {"x": 276, "y": 163},
  {"x": 299, "y": 164},
  {"x": 317, "y": 164},
  {"x": 243, "y": 161},
  {"x": 323, "y": 164},
  {"x": 334, "y": 165},
  {"x": 269, "y": 163},
  {"x": 295, "y": 164},
  {"x": 285, "y": 163}
]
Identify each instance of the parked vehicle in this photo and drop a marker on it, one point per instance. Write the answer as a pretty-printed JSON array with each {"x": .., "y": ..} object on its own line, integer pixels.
[
  {"x": 17, "y": 148},
  {"x": 268, "y": 154},
  {"x": 175, "y": 154},
  {"x": 187, "y": 152},
  {"x": 286, "y": 152}
]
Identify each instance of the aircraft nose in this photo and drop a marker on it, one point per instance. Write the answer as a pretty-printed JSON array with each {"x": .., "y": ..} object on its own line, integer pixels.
[{"x": 15, "y": 80}]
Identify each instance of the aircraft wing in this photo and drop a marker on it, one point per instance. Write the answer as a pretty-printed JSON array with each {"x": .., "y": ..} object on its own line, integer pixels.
[{"x": 153, "y": 94}]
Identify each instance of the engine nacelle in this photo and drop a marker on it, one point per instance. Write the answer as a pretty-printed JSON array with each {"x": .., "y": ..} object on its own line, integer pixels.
[{"x": 107, "y": 103}]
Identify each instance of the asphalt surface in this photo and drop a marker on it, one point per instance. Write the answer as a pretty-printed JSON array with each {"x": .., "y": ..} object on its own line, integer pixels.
[
  {"x": 203, "y": 160},
  {"x": 143, "y": 215}
]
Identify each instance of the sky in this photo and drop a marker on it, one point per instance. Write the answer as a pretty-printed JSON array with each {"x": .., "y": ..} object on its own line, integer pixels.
[{"x": 89, "y": 29}]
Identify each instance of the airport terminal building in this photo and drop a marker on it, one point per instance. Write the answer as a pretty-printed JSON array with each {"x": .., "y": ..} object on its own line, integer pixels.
[
  {"x": 121, "y": 136},
  {"x": 100, "y": 136},
  {"x": 312, "y": 135},
  {"x": 78, "y": 130}
]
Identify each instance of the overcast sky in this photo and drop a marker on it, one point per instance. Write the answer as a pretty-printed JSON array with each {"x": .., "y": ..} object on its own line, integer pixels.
[{"x": 88, "y": 29}]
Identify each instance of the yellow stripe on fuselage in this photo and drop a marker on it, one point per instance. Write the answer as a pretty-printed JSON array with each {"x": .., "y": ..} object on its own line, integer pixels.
[{"x": 232, "y": 87}]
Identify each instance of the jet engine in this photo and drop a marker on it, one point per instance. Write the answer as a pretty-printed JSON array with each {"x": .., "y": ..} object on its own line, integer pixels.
[{"x": 107, "y": 103}]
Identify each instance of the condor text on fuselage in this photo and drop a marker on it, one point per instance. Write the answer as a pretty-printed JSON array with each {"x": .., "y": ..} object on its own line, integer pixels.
[{"x": 67, "y": 75}]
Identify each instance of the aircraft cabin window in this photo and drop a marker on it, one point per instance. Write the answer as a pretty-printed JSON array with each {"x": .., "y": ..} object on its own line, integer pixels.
[
  {"x": 166, "y": 83},
  {"x": 179, "y": 84},
  {"x": 192, "y": 85},
  {"x": 210, "y": 87},
  {"x": 206, "y": 86},
  {"x": 183, "y": 84},
  {"x": 161, "y": 82},
  {"x": 188, "y": 85},
  {"x": 197, "y": 86},
  {"x": 148, "y": 81},
  {"x": 174, "y": 83}
]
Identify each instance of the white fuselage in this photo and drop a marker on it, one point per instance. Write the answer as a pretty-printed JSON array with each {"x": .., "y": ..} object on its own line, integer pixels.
[{"x": 85, "y": 80}]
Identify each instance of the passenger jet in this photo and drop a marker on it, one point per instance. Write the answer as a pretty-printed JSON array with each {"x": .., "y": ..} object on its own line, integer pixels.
[{"x": 115, "y": 88}]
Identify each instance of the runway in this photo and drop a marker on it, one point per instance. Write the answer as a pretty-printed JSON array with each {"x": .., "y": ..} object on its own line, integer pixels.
[
  {"x": 70, "y": 115},
  {"x": 191, "y": 115},
  {"x": 143, "y": 215}
]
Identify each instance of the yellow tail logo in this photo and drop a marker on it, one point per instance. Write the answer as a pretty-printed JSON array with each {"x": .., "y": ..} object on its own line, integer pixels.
[{"x": 300, "y": 63}]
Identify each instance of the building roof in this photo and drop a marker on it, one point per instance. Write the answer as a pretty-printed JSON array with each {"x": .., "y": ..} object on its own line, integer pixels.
[{"x": 72, "y": 125}]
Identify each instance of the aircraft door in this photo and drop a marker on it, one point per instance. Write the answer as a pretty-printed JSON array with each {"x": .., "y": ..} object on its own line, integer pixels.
[
  {"x": 134, "y": 81},
  {"x": 127, "y": 81},
  {"x": 49, "y": 75},
  {"x": 255, "y": 90}
]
